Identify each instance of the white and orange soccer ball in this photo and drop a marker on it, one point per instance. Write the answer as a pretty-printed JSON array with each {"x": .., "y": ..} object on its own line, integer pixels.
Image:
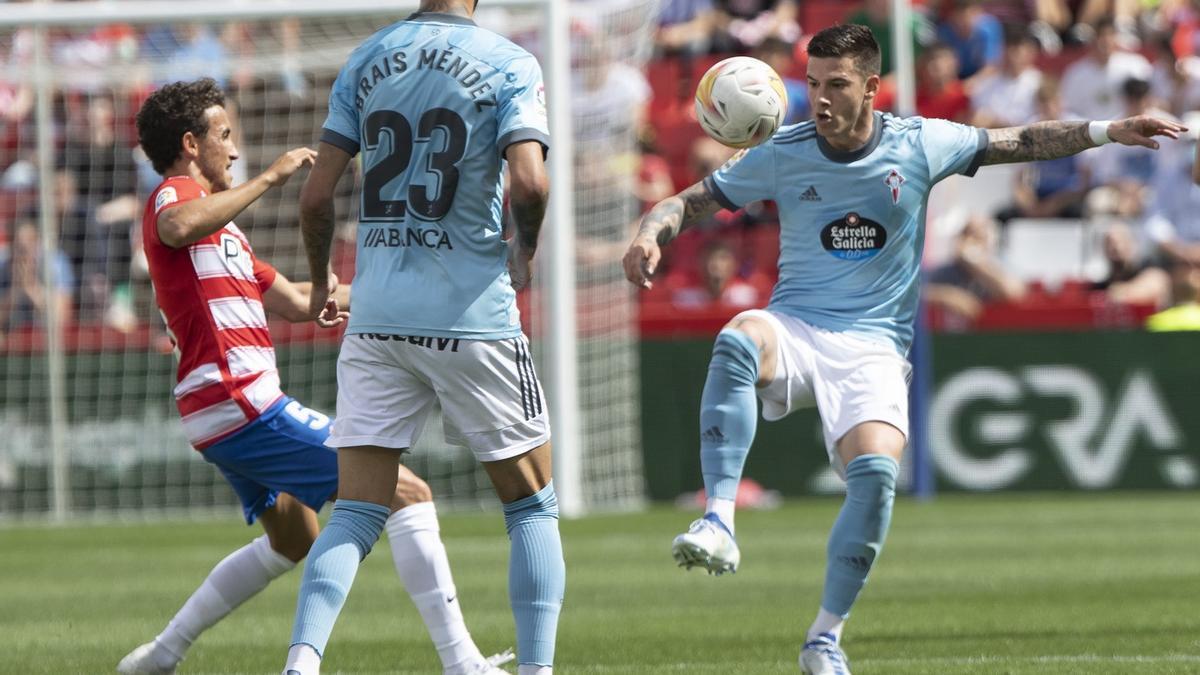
[{"x": 741, "y": 101}]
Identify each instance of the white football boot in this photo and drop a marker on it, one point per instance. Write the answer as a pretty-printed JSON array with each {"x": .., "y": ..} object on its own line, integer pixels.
[
  {"x": 822, "y": 656},
  {"x": 142, "y": 661},
  {"x": 489, "y": 666},
  {"x": 707, "y": 544}
]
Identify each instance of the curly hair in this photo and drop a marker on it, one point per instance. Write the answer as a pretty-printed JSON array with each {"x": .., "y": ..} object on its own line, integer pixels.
[
  {"x": 853, "y": 40},
  {"x": 171, "y": 112}
]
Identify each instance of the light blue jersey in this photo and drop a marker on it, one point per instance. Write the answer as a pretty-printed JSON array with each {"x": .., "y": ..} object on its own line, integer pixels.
[
  {"x": 433, "y": 102},
  {"x": 852, "y": 224}
]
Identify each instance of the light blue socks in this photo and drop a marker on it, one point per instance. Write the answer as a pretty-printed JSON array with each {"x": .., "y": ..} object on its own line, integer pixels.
[
  {"x": 861, "y": 527},
  {"x": 332, "y": 563},
  {"x": 728, "y": 413},
  {"x": 536, "y": 574}
]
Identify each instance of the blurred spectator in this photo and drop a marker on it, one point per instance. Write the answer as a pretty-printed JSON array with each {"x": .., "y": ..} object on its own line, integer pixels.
[
  {"x": 1173, "y": 215},
  {"x": 718, "y": 283},
  {"x": 940, "y": 93},
  {"x": 1051, "y": 188},
  {"x": 96, "y": 221},
  {"x": 609, "y": 97},
  {"x": 1008, "y": 96},
  {"x": 975, "y": 275},
  {"x": 685, "y": 27},
  {"x": 653, "y": 182},
  {"x": 975, "y": 36},
  {"x": 189, "y": 51},
  {"x": 1175, "y": 82},
  {"x": 877, "y": 15},
  {"x": 1092, "y": 84},
  {"x": 1130, "y": 279},
  {"x": 781, "y": 56},
  {"x": 1125, "y": 175},
  {"x": 1185, "y": 312},
  {"x": 23, "y": 298},
  {"x": 746, "y": 23},
  {"x": 1078, "y": 21}
]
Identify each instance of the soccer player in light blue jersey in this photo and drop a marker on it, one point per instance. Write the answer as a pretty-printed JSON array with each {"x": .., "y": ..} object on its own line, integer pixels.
[
  {"x": 438, "y": 107},
  {"x": 851, "y": 188}
]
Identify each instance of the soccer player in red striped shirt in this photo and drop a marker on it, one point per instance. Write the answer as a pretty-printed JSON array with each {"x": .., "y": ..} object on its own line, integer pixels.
[{"x": 214, "y": 294}]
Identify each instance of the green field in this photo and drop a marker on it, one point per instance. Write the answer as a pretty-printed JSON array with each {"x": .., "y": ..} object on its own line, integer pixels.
[{"x": 967, "y": 584}]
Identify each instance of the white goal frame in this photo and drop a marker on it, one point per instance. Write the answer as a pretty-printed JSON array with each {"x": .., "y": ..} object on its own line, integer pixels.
[{"x": 559, "y": 240}]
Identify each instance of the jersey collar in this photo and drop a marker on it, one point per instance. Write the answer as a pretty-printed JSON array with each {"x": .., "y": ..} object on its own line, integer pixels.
[
  {"x": 440, "y": 17},
  {"x": 846, "y": 156}
]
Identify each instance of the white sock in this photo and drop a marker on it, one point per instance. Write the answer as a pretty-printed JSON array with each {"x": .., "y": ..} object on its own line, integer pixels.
[
  {"x": 724, "y": 509},
  {"x": 827, "y": 622},
  {"x": 303, "y": 659},
  {"x": 421, "y": 564},
  {"x": 234, "y": 580},
  {"x": 534, "y": 669}
]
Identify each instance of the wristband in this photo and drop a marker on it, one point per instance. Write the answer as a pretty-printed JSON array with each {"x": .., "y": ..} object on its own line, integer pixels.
[{"x": 1099, "y": 132}]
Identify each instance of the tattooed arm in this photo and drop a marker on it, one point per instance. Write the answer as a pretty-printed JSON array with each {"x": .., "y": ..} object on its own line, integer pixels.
[
  {"x": 660, "y": 225},
  {"x": 1054, "y": 139}
]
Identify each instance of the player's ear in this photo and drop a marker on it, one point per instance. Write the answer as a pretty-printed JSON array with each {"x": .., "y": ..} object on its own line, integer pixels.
[
  {"x": 190, "y": 145},
  {"x": 872, "y": 87}
]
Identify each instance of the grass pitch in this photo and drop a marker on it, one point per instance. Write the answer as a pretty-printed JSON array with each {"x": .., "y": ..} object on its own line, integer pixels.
[{"x": 967, "y": 584}]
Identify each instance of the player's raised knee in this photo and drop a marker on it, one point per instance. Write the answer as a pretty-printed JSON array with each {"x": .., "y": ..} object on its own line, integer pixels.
[{"x": 750, "y": 337}]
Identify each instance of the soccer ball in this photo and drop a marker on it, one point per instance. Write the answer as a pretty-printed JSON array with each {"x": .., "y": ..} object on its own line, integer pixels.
[{"x": 740, "y": 102}]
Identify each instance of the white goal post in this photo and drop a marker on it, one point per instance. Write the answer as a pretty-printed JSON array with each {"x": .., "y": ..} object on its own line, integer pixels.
[{"x": 590, "y": 377}]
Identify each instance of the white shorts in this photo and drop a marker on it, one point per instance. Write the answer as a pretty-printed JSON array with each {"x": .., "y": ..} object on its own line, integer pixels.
[
  {"x": 849, "y": 378},
  {"x": 491, "y": 399}
]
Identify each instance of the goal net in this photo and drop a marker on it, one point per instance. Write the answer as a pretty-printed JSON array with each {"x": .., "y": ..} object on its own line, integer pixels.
[{"x": 87, "y": 418}]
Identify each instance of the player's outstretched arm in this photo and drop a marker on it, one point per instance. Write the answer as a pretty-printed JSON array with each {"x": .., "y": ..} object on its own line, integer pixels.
[
  {"x": 195, "y": 219},
  {"x": 662, "y": 223},
  {"x": 528, "y": 192},
  {"x": 317, "y": 223},
  {"x": 1054, "y": 139}
]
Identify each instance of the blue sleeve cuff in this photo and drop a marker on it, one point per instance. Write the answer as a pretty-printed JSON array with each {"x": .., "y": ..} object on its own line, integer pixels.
[
  {"x": 980, "y": 149},
  {"x": 716, "y": 192},
  {"x": 339, "y": 141},
  {"x": 518, "y": 135}
]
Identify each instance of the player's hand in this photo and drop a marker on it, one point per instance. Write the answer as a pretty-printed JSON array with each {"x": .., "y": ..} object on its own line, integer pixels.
[
  {"x": 1140, "y": 130},
  {"x": 641, "y": 259},
  {"x": 289, "y": 163},
  {"x": 520, "y": 265},
  {"x": 332, "y": 315}
]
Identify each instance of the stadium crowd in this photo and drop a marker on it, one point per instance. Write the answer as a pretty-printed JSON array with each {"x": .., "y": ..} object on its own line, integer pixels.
[{"x": 1122, "y": 225}]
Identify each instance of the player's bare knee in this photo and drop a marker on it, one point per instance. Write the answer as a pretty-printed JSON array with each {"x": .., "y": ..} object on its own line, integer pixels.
[
  {"x": 872, "y": 438},
  {"x": 293, "y": 545}
]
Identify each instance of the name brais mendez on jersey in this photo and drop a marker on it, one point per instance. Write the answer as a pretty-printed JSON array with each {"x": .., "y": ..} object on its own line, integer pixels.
[
  {"x": 458, "y": 66},
  {"x": 463, "y": 70}
]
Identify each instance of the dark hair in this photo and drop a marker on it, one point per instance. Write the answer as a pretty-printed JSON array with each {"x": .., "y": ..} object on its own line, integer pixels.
[
  {"x": 1135, "y": 88},
  {"x": 171, "y": 112},
  {"x": 851, "y": 39},
  {"x": 775, "y": 45},
  {"x": 1016, "y": 34},
  {"x": 1104, "y": 23}
]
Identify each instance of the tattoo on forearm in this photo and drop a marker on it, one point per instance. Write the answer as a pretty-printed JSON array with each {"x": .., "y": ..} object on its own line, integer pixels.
[
  {"x": 527, "y": 218},
  {"x": 316, "y": 229},
  {"x": 1041, "y": 140},
  {"x": 675, "y": 214}
]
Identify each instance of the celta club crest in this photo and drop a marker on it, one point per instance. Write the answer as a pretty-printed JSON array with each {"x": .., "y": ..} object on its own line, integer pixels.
[{"x": 894, "y": 180}]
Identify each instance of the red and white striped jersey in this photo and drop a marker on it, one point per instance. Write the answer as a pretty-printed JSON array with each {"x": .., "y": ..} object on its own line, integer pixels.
[{"x": 210, "y": 294}]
